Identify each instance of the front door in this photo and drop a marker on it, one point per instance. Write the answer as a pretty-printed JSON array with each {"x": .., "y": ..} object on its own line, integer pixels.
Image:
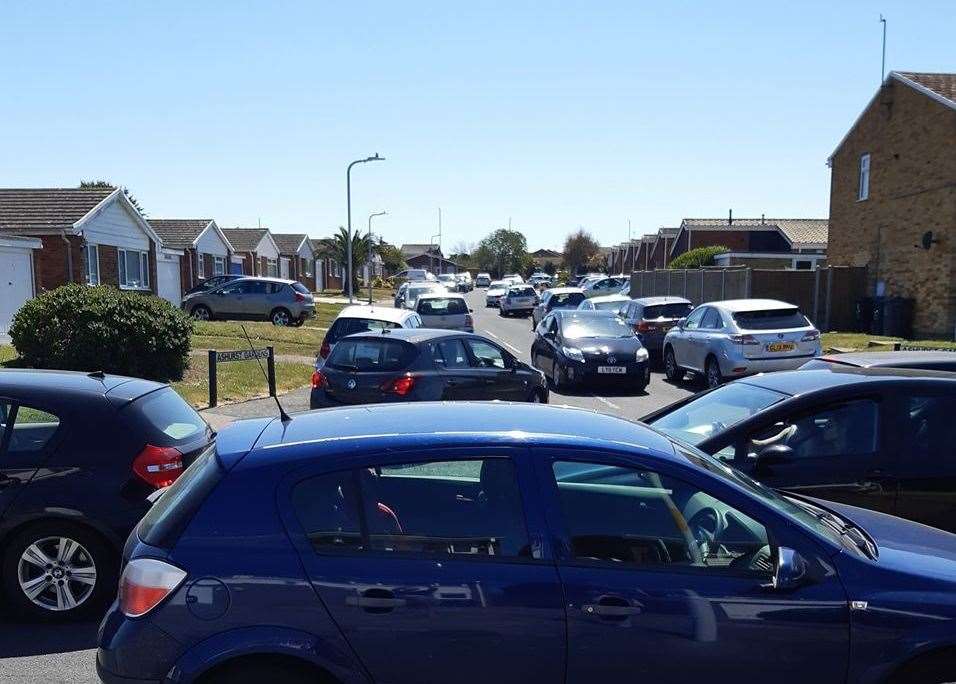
[
  {"x": 26, "y": 439},
  {"x": 454, "y": 368},
  {"x": 665, "y": 582},
  {"x": 426, "y": 566},
  {"x": 495, "y": 373},
  {"x": 687, "y": 344}
]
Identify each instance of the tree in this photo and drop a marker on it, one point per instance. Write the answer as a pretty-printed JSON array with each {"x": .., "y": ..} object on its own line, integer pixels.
[
  {"x": 109, "y": 186},
  {"x": 549, "y": 267},
  {"x": 700, "y": 256},
  {"x": 392, "y": 259},
  {"x": 580, "y": 248},
  {"x": 336, "y": 247},
  {"x": 504, "y": 251}
]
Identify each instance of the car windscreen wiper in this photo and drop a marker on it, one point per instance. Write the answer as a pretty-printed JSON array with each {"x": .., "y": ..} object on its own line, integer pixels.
[{"x": 842, "y": 527}]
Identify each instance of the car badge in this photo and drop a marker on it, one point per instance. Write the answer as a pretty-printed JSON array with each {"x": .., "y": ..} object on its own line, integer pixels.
[
  {"x": 779, "y": 336},
  {"x": 350, "y": 384},
  {"x": 612, "y": 360}
]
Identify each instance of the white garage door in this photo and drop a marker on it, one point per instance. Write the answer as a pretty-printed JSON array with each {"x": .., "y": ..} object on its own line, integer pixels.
[
  {"x": 168, "y": 280},
  {"x": 16, "y": 283}
]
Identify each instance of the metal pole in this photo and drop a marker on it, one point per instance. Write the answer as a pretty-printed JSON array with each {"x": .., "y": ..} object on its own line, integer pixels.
[
  {"x": 368, "y": 261},
  {"x": 213, "y": 392},
  {"x": 271, "y": 370},
  {"x": 348, "y": 202},
  {"x": 883, "y": 63}
]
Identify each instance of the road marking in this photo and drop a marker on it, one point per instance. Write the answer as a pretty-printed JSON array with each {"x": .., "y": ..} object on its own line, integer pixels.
[
  {"x": 607, "y": 402},
  {"x": 507, "y": 344}
]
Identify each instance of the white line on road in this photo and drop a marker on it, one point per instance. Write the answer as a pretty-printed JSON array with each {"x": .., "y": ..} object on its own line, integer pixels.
[
  {"x": 607, "y": 402},
  {"x": 507, "y": 344}
]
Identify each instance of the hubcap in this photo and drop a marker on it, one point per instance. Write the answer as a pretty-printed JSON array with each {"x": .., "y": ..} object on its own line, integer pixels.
[
  {"x": 56, "y": 573},
  {"x": 200, "y": 314},
  {"x": 714, "y": 375},
  {"x": 280, "y": 318}
]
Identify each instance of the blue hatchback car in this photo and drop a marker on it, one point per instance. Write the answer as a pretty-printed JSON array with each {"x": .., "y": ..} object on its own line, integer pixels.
[{"x": 522, "y": 544}]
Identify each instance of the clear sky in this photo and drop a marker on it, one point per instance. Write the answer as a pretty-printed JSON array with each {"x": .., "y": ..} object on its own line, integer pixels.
[{"x": 555, "y": 115}]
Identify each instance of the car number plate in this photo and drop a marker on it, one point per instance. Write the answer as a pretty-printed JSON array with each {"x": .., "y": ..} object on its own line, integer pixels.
[
  {"x": 781, "y": 347},
  {"x": 612, "y": 370}
]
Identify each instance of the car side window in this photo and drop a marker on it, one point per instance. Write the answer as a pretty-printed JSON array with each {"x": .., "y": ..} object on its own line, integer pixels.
[
  {"x": 845, "y": 431},
  {"x": 693, "y": 321},
  {"x": 486, "y": 355},
  {"x": 712, "y": 320},
  {"x": 31, "y": 429},
  {"x": 928, "y": 435},
  {"x": 327, "y": 507},
  {"x": 450, "y": 354},
  {"x": 639, "y": 517},
  {"x": 543, "y": 325}
]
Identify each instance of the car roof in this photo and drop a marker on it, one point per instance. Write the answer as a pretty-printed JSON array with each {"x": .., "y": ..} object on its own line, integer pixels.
[
  {"x": 441, "y": 295},
  {"x": 583, "y": 313},
  {"x": 652, "y": 301},
  {"x": 736, "y": 305},
  {"x": 564, "y": 290},
  {"x": 410, "y": 335},
  {"x": 875, "y": 359},
  {"x": 416, "y": 422},
  {"x": 59, "y": 382},
  {"x": 376, "y": 313},
  {"x": 610, "y": 298},
  {"x": 797, "y": 382}
]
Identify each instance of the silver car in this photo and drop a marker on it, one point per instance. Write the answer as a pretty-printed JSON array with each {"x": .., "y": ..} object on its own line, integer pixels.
[
  {"x": 448, "y": 311},
  {"x": 284, "y": 302},
  {"x": 739, "y": 337},
  {"x": 416, "y": 290}
]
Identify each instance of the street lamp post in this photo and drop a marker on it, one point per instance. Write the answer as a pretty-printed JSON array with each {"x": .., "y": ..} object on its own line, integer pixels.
[
  {"x": 369, "y": 260},
  {"x": 348, "y": 202}
]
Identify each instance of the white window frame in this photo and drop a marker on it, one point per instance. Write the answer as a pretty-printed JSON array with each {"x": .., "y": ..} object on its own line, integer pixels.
[
  {"x": 200, "y": 265},
  {"x": 272, "y": 268},
  {"x": 309, "y": 265},
  {"x": 121, "y": 257},
  {"x": 92, "y": 264},
  {"x": 863, "y": 192},
  {"x": 218, "y": 265}
]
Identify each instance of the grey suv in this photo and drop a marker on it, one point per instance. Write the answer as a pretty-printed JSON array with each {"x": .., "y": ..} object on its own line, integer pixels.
[{"x": 284, "y": 302}]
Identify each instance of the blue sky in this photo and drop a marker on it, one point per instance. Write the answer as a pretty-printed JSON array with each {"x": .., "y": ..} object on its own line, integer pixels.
[{"x": 555, "y": 115}]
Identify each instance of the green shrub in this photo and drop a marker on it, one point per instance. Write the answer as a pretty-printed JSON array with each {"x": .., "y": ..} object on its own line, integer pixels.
[
  {"x": 695, "y": 258},
  {"x": 76, "y": 327}
]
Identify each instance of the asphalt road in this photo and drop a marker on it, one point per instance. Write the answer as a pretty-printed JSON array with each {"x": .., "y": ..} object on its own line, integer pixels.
[{"x": 52, "y": 654}]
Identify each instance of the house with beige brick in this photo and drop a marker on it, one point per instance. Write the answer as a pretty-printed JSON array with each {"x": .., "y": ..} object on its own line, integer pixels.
[{"x": 893, "y": 196}]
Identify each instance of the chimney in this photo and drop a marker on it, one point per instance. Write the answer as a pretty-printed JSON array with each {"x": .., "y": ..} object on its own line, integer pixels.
[{"x": 730, "y": 217}]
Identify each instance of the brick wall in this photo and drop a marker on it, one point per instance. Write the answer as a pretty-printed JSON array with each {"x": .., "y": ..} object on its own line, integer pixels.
[
  {"x": 911, "y": 140},
  {"x": 153, "y": 285},
  {"x": 51, "y": 262},
  {"x": 109, "y": 265}
]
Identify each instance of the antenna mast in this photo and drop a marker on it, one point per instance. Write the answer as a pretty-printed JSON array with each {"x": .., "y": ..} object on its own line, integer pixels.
[{"x": 883, "y": 63}]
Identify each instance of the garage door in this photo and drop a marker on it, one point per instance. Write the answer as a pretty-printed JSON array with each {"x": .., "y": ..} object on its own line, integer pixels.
[
  {"x": 168, "y": 279},
  {"x": 16, "y": 283}
]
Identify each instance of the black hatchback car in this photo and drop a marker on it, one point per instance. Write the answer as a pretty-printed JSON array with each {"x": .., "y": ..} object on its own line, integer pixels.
[
  {"x": 573, "y": 346},
  {"x": 883, "y": 439},
  {"x": 422, "y": 364},
  {"x": 79, "y": 455}
]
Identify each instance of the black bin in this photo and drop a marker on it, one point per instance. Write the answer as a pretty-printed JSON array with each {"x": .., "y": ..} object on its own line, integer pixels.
[
  {"x": 864, "y": 315},
  {"x": 898, "y": 317},
  {"x": 877, "y": 317}
]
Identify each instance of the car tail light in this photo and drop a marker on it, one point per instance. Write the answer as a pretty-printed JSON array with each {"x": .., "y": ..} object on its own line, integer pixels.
[
  {"x": 644, "y": 326},
  {"x": 401, "y": 385},
  {"x": 811, "y": 336},
  {"x": 319, "y": 380},
  {"x": 158, "y": 466},
  {"x": 299, "y": 297},
  {"x": 469, "y": 321},
  {"x": 326, "y": 348},
  {"x": 744, "y": 339},
  {"x": 145, "y": 583}
]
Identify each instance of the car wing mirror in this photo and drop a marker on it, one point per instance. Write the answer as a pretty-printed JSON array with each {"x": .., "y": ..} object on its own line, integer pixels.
[
  {"x": 791, "y": 571},
  {"x": 680, "y": 322},
  {"x": 774, "y": 454}
]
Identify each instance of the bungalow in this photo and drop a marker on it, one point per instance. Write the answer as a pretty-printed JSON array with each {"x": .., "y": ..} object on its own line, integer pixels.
[
  {"x": 759, "y": 242},
  {"x": 88, "y": 235},
  {"x": 256, "y": 252},
  {"x": 429, "y": 257},
  {"x": 660, "y": 253},
  {"x": 297, "y": 259},
  {"x": 206, "y": 251}
]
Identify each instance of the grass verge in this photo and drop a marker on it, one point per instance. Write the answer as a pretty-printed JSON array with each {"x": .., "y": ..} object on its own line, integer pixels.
[
  {"x": 861, "y": 341},
  {"x": 238, "y": 381}
]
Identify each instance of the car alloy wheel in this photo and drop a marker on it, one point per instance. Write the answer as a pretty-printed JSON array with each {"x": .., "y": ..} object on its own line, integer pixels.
[
  {"x": 201, "y": 313},
  {"x": 281, "y": 317},
  {"x": 56, "y": 573},
  {"x": 714, "y": 378},
  {"x": 671, "y": 369}
]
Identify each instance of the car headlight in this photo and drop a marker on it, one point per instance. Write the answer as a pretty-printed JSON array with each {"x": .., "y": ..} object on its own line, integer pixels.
[
  {"x": 573, "y": 353},
  {"x": 641, "y": 355}
]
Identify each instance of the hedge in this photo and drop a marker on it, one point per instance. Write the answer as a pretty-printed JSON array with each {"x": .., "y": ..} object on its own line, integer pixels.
[
  {"x": 695, "y": 258},
  {"x": 77, "y": 327}
]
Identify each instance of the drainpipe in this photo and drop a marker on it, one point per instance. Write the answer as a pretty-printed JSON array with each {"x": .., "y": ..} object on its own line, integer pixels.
[{"x": 69, "y": 254}]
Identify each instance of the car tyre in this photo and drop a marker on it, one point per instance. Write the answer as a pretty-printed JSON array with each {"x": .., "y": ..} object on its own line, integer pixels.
[
  {"x": 673, "y": 372},
  {"x": 537, "y": 397},
  {"x": 201, "y": 312},
  {"x": 645, "y": 378},
  {"x": 281, "y": 317},
  {"x": 712, "y": 375},
  {"x": 558, "y": 381},
  {"x": 85, "y": 550}
]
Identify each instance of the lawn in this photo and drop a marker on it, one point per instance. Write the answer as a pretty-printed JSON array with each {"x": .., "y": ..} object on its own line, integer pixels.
[
  {"x": 361, "y": 295},
  {"x": 856, "y": 341},
  {"x": 238, "y": 381}
]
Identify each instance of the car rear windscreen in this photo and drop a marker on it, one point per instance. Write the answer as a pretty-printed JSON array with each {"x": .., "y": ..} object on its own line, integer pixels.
[
  {"x": 350, "y": 326},
  {"x": 566, "y": 300},
  {"x": 667, "y": 311},
  {"x": 166, "y": 418},
  {"x": 366, "y": 354},
  {"x": 521, "y": 292},
  {"x": 771, "y": 319},
  {"x": 300, "y": 288},
  {"x": 168, "y": 517},
  {"x": 442, "y": 306}
]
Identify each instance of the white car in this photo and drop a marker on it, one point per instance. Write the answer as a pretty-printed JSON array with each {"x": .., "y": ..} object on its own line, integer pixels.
[
  {"x": 496, "y": 290},
  {"x": 415, "y": 275},
  {"x": 614, "y": 302},
  {"x": 483, "y": 280},
  {"x": 448, "y": 311},
  {"x": 365, "y": 318},
  {"x": 416, "y": 290},
  {"x": 514, "y": 278},
  {"x": 520, "y": 299},
  {"x": 738, "y": 337},
  {"x": 449, "y": 280},
  {"x": 603, "y": 286},
  {"x": 465, "y": 283}
]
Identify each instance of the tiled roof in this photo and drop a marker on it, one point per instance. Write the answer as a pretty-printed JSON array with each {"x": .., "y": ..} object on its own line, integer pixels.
[
  {"x": 179, "y": 233},
  {"x": 797, "y": 231},
  {"x": 943, "y": 85},
  {"x": 668, "y": 231},
  {"x": 288, "y": 243},
  {"x": 545, "y": 253},
  {"x": 411, "y": 249},
  {"x": 47, "y": 208},
  {"x": 245, "y": 239}
]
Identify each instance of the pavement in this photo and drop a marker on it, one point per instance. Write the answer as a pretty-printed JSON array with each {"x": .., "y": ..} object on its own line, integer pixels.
[{"x": 52, "y": 654}]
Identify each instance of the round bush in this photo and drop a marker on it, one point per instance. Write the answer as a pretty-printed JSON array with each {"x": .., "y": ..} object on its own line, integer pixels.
[{"x": 76, "y": 327}]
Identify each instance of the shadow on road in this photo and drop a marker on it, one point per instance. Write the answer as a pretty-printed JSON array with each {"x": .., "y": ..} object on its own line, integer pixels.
[{"x": 21, "y": 638}]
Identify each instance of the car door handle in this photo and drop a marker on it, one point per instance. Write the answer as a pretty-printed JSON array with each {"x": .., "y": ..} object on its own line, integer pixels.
[
  {"x": 612, "y": 608},
  {"x": 453, "y": 382},
  {"x": 376, "y": 601}
]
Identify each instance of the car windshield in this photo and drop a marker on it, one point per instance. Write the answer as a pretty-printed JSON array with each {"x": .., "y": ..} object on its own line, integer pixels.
[
  {"x": 675, "y": 310},
  {"x": 370, "y": 354},
  {"x": 595, "y": 326},
  {"x": 715, "y": 411},
  {"x": 609, "y": 305},
  {"x": 442, "y": 306},
  {"x": 521, "y": 292},
  {"x": 771, "y": 319}
]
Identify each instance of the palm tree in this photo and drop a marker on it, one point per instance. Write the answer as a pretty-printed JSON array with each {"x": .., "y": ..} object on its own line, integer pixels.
[{"x": 336, "y": 247}]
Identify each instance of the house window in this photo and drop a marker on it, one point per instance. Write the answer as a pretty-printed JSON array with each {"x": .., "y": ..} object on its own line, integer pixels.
[
  {"x": 200, "y": 264},
  {"x": 133, "y": 269},
  {"x": 219, "y": 266},
  {"x": 307, "y": 266},
  {"x": 92, "y": 265},
  {"x": 272, "y": 268},
  {"x": 864, "y": 177}
]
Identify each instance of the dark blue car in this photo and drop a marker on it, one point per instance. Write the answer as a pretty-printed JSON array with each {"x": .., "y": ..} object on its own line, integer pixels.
[{"x": 519, "y": 544}]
